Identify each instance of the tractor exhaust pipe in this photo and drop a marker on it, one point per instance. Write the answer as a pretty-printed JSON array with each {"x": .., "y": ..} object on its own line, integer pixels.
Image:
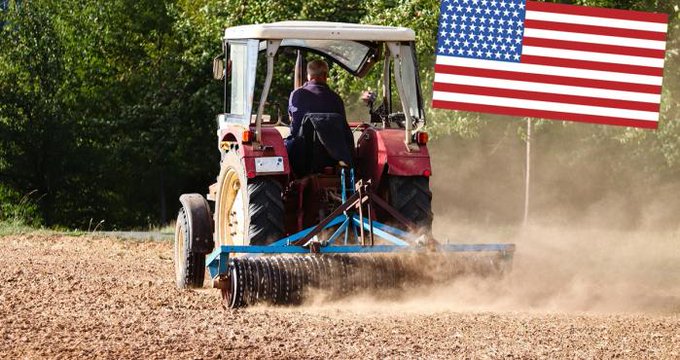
[{"x": 300, "y": 69}]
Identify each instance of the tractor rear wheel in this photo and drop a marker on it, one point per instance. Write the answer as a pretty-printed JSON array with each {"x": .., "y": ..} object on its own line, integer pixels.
[
  {"x": 189, "y": 265},
  {"x": 247, "y": 211},
  {"x": 411, "y": 196}
]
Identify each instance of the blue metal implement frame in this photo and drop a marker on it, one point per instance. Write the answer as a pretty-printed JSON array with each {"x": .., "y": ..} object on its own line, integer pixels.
[{"x": 347, "y": 223}]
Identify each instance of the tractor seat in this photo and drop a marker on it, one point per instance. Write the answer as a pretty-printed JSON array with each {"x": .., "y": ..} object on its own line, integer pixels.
[{"x": 326, "y": 141}]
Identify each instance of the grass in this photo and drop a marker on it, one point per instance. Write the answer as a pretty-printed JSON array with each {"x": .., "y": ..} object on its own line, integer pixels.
[
  {"x": 167, "y": 229},
  {"x": 18, "y": 227},
  {"x": 14, "y": 227}
]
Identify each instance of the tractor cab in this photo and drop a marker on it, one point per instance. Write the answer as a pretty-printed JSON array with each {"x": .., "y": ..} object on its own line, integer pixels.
[{"x": 250, "y": 70}]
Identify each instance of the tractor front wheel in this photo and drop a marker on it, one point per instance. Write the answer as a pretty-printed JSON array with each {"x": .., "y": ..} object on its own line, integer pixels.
[{"x": 189, "y": 265}]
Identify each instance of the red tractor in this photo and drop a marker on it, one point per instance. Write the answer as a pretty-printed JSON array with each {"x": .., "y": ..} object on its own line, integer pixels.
[{"x": 258, "y": 198}]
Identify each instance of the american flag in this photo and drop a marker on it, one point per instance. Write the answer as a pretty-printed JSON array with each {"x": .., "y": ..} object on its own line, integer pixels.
[{"x": 553, "y": 61}]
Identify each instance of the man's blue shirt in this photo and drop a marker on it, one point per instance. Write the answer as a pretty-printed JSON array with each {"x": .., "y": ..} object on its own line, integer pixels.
[{"x": 312, "y": 97}]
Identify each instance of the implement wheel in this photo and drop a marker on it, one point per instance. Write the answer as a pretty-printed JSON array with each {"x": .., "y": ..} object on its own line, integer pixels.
[
  {"x": 189, "y": 265},
  {"x": 411, "y": 196},
  {"x": 247, "y": 211}
]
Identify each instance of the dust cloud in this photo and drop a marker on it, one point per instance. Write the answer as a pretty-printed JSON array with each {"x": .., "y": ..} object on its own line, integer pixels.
[
  {"x": 554, "y": 270},
  {"x": 600, "y": 239}
]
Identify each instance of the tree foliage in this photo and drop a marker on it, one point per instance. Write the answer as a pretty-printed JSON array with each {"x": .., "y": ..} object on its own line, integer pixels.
[{"x": 107, "y": 108}]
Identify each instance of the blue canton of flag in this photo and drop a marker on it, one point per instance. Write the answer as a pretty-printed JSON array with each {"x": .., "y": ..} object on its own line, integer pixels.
[{"x": 482, "y": 29}]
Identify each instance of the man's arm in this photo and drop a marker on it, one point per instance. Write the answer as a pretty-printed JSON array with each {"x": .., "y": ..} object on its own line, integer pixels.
[
  {"x": 296, "y": 111},
  {"x": 341, "y": 105}
]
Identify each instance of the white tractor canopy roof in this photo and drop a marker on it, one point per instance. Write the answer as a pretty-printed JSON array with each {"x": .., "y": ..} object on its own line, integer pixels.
[{"x": 319, "y": 30}]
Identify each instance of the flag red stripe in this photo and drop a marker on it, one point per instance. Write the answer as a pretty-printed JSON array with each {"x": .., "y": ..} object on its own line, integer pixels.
[
  {"x": 592, "y": 65},
  {"x": 502, "y": 110},
  {"x": 594, "y": 30},
  {"x": 599, "y": 12},
  {"x": 548, "y": 79},
  {"x": 581, "y": 46},
  {"x": 541, "y": 96}
]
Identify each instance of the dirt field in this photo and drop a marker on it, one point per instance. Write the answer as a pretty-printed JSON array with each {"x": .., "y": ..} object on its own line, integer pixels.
[{"x": 76, "y": 297}]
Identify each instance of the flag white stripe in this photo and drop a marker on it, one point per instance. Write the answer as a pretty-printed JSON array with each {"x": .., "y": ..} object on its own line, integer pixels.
[
  {"x": 550, "y": 70},
  {"x": 546, "y": 88},
  {"x": 592, "y": 56},
  {"x": 596, "y": 21},
  {"x": 546, "y": 106},
  {"x": 595, "y": 39}
]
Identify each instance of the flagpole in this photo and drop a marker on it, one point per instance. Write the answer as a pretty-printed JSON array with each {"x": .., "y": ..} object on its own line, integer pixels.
[{"x": 528, "y": 173}]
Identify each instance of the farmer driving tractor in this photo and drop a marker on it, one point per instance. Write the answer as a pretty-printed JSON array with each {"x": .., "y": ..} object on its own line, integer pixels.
[
  {"x": 315, "y": 96},
  {"x": 317, "y": 114}
]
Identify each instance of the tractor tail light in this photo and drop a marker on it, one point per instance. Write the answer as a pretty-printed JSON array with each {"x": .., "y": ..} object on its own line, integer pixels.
[
  {"x": 422, "y": 138},
  {"x": 427, "y": 173},
  {"x": 248, "y": 136}
]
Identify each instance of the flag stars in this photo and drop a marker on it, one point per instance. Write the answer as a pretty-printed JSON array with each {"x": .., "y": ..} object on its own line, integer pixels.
[{"x": 482, "y": 29}]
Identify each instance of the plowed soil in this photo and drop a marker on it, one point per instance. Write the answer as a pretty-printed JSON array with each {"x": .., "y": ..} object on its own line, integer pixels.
[{"x": 85, "y": 297}]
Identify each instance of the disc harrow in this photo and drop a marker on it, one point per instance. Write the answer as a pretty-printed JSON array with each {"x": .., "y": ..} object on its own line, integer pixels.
[
  {"x": 288, "y": 279},
  {"x": 286, "y": 271}
]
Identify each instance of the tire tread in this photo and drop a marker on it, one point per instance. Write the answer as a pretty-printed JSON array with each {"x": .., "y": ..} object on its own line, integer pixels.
[
  {"x": 266, "y": 211},
  {"x": 411, "y": 196}
]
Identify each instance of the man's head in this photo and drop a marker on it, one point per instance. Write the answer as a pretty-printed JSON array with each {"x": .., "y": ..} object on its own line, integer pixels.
[{"x": 317, "y": 70}]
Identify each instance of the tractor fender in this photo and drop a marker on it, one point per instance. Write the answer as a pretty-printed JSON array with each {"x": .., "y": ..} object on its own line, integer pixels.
[
  {"x": 380, "y": 149},
  {"x": 200, "y": 223},
  {"x": 271, "y": 145}
]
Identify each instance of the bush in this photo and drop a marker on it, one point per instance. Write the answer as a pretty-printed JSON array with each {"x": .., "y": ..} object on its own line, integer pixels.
[{"x": 18, "y": 209}]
